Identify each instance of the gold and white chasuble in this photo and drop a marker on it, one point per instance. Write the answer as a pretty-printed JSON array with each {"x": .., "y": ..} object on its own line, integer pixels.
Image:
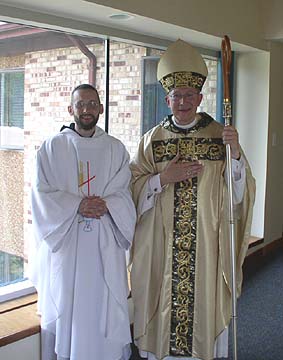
[{"x": 180, "y": 276}]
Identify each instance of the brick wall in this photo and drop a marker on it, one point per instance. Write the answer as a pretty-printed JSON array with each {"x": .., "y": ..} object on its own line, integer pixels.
[{"x": 125, "y": 93}]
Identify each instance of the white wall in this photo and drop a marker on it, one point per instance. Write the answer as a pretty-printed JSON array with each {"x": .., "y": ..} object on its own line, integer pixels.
[
  {"x": 25, "y": 349},
  {"x": 251, "y": 120}
]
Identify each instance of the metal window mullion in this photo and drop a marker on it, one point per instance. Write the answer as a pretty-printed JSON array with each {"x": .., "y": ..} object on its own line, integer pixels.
[
  {"x": 8, "y": 99},
  {"x": 107, "y": 77},
  {"x": 2, "y": 99},
  {"x": 7, "y": 275}
]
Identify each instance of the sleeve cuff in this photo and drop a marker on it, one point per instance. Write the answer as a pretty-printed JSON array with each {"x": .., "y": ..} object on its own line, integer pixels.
[{"x": 154, "y": 185}]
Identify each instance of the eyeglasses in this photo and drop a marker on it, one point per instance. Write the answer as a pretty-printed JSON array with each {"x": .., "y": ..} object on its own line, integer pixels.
[
  {"x": 92, "y": 105},
  {"x": 188, "y": 96}
]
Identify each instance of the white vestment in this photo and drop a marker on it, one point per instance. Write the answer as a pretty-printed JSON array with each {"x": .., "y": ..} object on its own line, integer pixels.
[{"x": 80, "y": 266}]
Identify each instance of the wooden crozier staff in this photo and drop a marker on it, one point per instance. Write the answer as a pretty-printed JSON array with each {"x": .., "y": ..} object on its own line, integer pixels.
[{"x": 227, "y": 114}]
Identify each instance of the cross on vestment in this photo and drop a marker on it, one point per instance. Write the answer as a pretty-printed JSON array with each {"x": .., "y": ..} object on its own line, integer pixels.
[{"x": 82, "y": 182}]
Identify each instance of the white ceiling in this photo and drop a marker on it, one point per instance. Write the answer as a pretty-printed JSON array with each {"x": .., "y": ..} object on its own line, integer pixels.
[{"x": 100, "y": 15}]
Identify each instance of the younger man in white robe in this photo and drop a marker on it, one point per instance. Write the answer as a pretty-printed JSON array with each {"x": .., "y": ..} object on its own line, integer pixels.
[{"x": 84, "y": 219}]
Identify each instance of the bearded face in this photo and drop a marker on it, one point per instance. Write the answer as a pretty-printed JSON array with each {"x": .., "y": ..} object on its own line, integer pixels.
[
  {"x": 85, "y": 108},
  {"x": 86, "y": 121}
]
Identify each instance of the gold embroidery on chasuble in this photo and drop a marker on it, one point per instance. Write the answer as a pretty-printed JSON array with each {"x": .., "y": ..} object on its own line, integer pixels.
[
  {"x": 183, "y": 267},
  {"x": 184, "y": 234}
]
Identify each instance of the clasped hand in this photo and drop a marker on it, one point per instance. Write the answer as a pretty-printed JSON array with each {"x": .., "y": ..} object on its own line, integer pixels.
[{"x": 93, "y": 207}]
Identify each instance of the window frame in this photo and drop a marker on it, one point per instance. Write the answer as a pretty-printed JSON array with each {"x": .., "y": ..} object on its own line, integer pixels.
[{"x": 16, "y": 290}]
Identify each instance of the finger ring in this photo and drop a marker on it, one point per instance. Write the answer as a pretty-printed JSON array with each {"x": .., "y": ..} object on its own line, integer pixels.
[{"x": 189, "y": 173}]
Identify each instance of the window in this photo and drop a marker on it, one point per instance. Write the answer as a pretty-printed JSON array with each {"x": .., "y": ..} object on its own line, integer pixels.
[
  {"x": 11, "y": 268},
  {"x": 34, "y": 97},
  {"x": 12, "y": 109},
  {"x": 154, "y": 108}
]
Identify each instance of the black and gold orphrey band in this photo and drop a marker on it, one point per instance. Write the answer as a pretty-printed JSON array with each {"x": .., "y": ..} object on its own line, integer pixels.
[
  {"x": 184, "y": 234},
  {"x": 183, "y": 267},
  {"x": 189, "y": 148}
]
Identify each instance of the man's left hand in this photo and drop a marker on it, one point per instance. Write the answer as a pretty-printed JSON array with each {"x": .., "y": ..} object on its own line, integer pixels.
[{"x": 230, "y": 136}]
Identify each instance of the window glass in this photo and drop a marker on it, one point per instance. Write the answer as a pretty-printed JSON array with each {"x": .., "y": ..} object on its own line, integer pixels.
[
  {"x": 209, "y": 89},
  {"x": 154, "y": 108},
  {"x": 11, "y": 108},
  {"x": 39, "y": 70},
  {"x": 11, "y": 268}
]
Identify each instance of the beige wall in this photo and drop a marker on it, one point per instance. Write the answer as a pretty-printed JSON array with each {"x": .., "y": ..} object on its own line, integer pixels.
[
  {"x": 274, "y": 182},
  {"x": 272, "y": 19},
  {"x": 241, "y": 19}
]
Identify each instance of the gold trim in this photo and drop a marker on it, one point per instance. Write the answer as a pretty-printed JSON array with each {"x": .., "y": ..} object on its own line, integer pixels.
[
  {"x": 189, "y": 148},
  {"x": 183, "y": 274},
  {"x": 182, "y": 79}
]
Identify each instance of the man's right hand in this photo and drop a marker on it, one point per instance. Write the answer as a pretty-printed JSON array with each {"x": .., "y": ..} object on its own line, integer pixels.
[
  {"x": 179, "y": 171},
  {"x": 93, "y": 207}
]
